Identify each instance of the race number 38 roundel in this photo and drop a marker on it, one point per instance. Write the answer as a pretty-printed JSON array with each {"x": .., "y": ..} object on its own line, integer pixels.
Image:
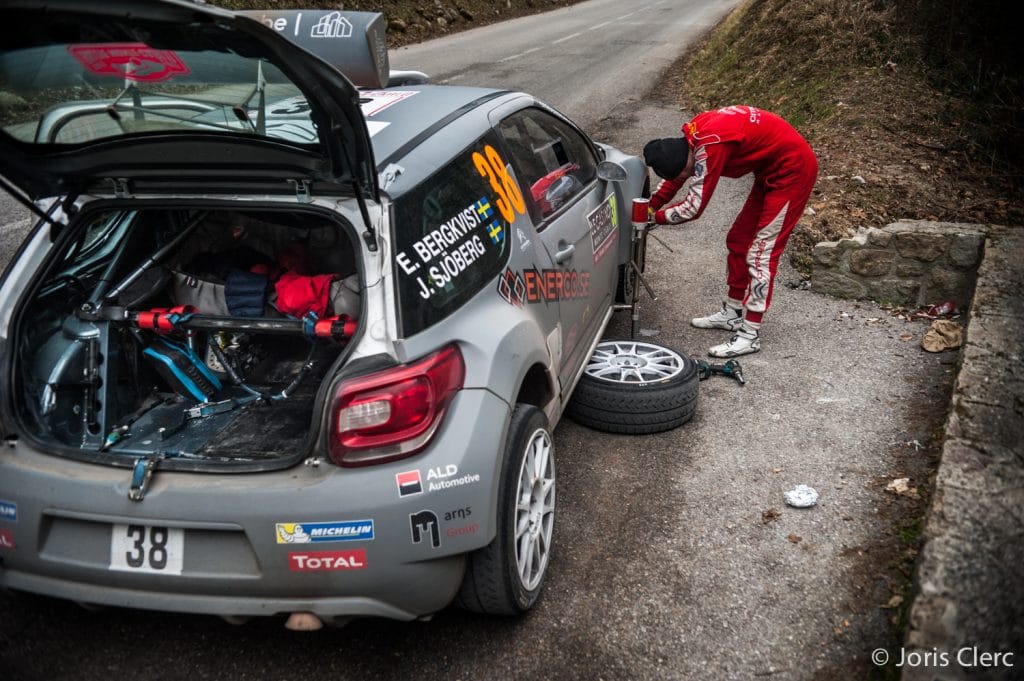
[{"x": 509, "y": 198}]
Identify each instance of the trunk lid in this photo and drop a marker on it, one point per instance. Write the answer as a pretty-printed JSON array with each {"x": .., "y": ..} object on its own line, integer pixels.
[{"x": 171, "y": 95}]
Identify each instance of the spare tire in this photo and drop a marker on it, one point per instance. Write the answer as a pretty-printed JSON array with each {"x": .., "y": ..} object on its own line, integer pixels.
[{"x": 635, "y": 387}]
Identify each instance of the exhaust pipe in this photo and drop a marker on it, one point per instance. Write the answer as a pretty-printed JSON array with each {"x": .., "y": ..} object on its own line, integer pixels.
[{"x": 303, "y": 621}]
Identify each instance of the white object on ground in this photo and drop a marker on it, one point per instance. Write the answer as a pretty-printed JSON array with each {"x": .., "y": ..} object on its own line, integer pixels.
[{"x": 801, "y": 496}]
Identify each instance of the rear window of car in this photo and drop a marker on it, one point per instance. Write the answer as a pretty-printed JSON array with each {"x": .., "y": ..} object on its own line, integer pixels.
[
  {"x": 74, "y": 82},
  {"x": 451, "y": 234}
]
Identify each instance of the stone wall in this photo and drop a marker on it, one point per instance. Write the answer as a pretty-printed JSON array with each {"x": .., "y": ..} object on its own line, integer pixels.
[
  {"x": 970, "y": 575},
  {"x": 912, "y": 262}
]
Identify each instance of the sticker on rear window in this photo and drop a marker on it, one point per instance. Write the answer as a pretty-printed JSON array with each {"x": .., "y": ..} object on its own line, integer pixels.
[
  {"x": 134, "y": 61},
  {"x": 452, "y": 233}
]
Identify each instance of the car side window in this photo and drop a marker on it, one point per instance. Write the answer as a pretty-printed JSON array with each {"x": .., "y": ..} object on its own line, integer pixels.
[
  {"x": 551, "y": 158},
  {"x": 451, "y": 233}
]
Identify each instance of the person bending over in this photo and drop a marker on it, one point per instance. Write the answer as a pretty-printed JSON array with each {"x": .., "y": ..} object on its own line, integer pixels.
[{"x": 733, "y": 142}]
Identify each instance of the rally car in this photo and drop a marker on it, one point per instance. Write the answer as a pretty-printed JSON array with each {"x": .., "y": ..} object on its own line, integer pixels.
[{"x": 292, "y": 332}]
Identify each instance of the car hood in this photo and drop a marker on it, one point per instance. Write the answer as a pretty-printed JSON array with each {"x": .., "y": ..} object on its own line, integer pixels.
[{"x": 164, "y": 93}]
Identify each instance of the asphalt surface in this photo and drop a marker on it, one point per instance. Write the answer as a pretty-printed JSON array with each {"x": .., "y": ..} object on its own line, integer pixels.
[{"x": 663, "y": 567}]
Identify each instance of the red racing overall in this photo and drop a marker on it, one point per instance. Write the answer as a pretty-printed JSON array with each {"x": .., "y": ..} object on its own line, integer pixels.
[{"x": 732, "y": 142}]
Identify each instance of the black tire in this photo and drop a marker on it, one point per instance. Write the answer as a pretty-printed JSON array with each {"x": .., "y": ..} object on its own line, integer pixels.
[
  {"x": 643, "y": 398},
  {"x": 493, "y": 584}
]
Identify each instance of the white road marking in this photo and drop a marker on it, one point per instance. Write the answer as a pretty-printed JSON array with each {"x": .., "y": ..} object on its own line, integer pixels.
[
  {"x": 602, "y": 25},
  {"x": 517, "y": 56},
  {"x": 568, "y": 37}
]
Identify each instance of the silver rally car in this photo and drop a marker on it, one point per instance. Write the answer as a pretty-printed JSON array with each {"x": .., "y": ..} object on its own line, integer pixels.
[{"x": 288, "y": 341}]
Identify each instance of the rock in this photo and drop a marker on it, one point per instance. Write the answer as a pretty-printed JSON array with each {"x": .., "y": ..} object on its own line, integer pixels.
[
  {"x": 836, "y": 284},
  {"x": 947, "y": 284},
  {"x": 879, "y": 237},
  {"x": 965, "y": 250},
  {"x": 826, "y": 253},
  {"x": 466, "y": 14},
  {"x": 442, "y": 22},
  {"x": 905, "y": 267},
  {"x": 870, "y": 262},
  {"x": 397, "y": 25},
  {"x": 921, "y": 245}
]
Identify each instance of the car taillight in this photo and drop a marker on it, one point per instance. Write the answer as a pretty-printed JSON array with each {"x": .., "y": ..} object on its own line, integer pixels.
[{"x": 394, "y": 413}]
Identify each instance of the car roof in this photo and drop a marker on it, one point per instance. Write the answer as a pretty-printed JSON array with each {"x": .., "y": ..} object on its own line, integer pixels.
[{"x": 400, "y": 118}]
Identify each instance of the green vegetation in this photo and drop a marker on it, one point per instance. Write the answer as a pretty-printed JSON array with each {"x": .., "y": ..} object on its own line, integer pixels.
[{"x": 921, "y": 99}]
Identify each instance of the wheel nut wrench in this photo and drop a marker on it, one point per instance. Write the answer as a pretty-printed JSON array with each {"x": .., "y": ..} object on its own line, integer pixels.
[{"x": 732, "y": 369}]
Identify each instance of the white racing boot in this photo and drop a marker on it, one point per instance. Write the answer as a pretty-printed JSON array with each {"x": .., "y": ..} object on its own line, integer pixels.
[
  {"x": 727, "y": 318},
  {"x": 743, "y": 342}
]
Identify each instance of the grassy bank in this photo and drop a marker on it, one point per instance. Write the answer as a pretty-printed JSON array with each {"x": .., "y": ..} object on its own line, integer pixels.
[{"x": 913, "y": 107}]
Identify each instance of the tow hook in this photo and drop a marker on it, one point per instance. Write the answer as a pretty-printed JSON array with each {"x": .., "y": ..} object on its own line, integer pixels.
[{"x": 142, "y": 474}]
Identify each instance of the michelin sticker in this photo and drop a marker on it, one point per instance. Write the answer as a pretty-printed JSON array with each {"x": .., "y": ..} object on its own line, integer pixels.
[{"x": 315, "y": 533}]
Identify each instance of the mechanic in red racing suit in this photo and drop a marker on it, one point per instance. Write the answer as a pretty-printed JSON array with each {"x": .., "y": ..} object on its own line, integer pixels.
[{"x": 732, "y": 142}]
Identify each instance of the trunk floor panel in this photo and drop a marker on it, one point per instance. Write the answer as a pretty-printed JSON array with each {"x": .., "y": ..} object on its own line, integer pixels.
[{"x": 255, "y": 431}]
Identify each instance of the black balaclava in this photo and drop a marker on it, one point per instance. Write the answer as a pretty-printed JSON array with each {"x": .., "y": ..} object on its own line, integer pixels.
[{"x": 667, "y": 157}]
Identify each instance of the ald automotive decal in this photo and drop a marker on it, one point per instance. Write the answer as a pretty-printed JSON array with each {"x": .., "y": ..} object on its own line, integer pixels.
[
  {"x": 438, "y": 478},
  {"x": 543, "y": 286},
  {"x": 409, "y": 483},
  {"x": 604, "y": 224},
  {"x": 6, "y": 539},
  {"x": 314, "y": 533}
]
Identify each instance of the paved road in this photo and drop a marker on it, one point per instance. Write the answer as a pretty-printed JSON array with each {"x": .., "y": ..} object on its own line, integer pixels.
[
  {"x": 583, "y": 59},
  {"x": 663, "y": 568}
]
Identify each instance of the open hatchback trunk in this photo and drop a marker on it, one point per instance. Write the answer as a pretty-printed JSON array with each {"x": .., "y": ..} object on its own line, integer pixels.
[
  {"x": 176, "y": 328},
  {"x": 201, "y": 336}
]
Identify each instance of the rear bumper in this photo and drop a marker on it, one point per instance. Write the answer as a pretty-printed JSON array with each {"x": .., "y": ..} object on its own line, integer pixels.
[
  {"x": 205, "y": 604},
  {"x": 235, "y": 559}
]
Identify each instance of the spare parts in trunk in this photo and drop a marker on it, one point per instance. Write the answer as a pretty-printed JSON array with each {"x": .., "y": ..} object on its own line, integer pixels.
[{"x": 174, "y": 332}]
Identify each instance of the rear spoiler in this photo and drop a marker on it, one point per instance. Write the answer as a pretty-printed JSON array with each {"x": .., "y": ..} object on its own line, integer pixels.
[{"x": 355, "y": 43}]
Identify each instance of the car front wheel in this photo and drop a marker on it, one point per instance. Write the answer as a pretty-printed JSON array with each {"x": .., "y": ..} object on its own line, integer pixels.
[{"x": 505, "y": 577}]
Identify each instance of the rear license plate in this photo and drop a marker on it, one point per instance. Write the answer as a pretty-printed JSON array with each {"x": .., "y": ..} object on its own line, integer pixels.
[{"x": 147, "y": 548}]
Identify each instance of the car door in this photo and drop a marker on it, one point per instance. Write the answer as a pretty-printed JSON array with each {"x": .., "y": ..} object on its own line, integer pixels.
[{"x": 576, "y": 223}]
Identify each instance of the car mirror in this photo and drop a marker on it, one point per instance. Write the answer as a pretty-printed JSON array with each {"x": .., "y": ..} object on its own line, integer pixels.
[{"x": 610, "y": 171}]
